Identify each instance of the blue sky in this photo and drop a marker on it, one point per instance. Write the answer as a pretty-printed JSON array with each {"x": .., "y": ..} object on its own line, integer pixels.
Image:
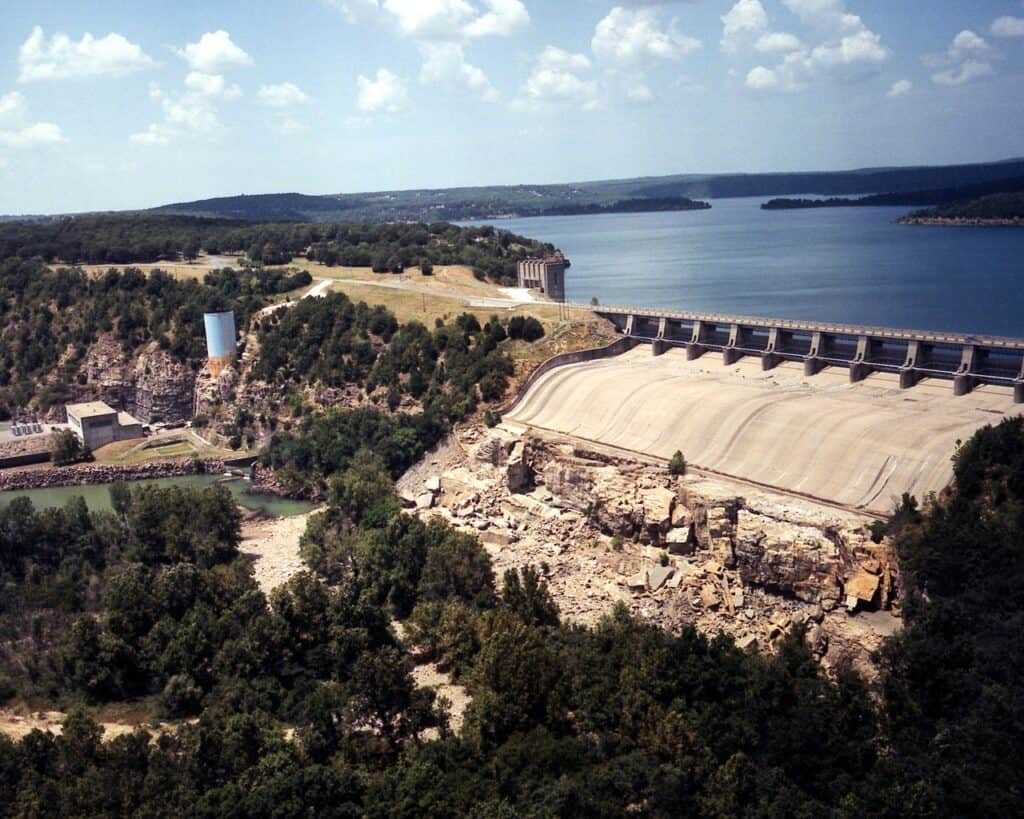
[{"x": 132, "y": 104}]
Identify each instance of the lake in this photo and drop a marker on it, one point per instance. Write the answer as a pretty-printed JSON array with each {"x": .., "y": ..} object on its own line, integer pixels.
[
  {"x": 97, "y": 496},
  {"x": 852, "y": 265}
]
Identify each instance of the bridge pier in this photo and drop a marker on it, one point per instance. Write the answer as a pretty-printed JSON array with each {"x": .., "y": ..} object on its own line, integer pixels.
[
  {"x": 629, "y": 325},
  {"x": 813, "y": 365},
  {"x": 695, "y": 351},
  {"x": 859, "y": 368},
  {"x": 963, "y": 381},
  {"x": 1018, "y": 391},
  {"x": 659, "y": 346},
  {"x": 769, "y": 360},
  {"x": 908, "y": 372},
  {"x": 730, "y": 355}
]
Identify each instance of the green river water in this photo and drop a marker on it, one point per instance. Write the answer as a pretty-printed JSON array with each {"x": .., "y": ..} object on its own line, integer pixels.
[{"x": 97, "y": 496}]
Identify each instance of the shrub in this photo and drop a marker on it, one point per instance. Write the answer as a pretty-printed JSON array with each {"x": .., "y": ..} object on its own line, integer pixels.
[{"x": 677, "y": 464}]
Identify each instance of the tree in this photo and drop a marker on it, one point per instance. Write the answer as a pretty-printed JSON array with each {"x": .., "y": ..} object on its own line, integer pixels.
[
  {"x": 65, "y": 448},
  {"x": 526, "y": 594},
  {"x": 677, "y": 464}
]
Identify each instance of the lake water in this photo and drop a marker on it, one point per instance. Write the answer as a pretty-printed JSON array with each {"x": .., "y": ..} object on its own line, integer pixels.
[
  {"x": 851, "y": 265},
  {"x": 97, "y": 496}
]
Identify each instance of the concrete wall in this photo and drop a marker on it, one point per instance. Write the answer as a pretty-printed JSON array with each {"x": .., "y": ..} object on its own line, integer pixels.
[{"x": 580, "y": 356}]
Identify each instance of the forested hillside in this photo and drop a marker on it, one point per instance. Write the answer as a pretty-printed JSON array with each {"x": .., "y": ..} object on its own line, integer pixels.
[
  {"x": 127, "y": 238},
  {"x": 616, "y": 195},
  {"x": 1000, "y": 207},
  {"x": 619, "y": 719}
]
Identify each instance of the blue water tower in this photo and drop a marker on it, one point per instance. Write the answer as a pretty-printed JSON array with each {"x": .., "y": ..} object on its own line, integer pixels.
[{"x": 221, "y": 345}]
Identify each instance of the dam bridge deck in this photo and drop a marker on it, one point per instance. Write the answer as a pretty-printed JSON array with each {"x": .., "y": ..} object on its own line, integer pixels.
[{"x": 966, "y": 360}]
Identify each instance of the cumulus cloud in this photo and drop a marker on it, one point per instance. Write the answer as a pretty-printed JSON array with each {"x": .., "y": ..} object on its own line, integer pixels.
[
  {"x": 1008, "y": 27},
  {"x": 282, "y": 95},
  {"x": 503, "y": 18},
  {"x": 848, "y": 49},
  {"x": 629, "y": 38},
  {"x": 17, "y": 130},
  {"x": 900, "y": 88},
  {"x": 430, "y": 19},
  {"x": 967, "y": 58},
  {"x": 963, "y": 73},
  {"x": 743, "y": 24},
  {"x": 777, "y": 42},
  {"x": 445, "y": 64},
  {"x": 192, "y": 111},
  {"x": 386, "y": 93},
  {"x": 556, "y": 81},
  {"x": 214, "y": 52},
  {"x": 761, "y": 78},
  {"x": 63, "y": 58}
]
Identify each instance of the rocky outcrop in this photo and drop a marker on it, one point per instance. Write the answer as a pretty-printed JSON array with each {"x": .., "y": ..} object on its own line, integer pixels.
[
  {"x": 677, "y": 551},
  {"x": 152, "y": 386}
]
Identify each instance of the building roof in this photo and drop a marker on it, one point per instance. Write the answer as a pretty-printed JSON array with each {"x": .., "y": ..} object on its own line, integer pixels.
[
  {"x": 126, "y": 420},
  {"x": 90, "y": 409}
]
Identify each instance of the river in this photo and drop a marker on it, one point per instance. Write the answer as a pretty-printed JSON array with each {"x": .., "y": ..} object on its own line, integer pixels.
[
  {"x": 97, "y": 496},
  {"x": 852, "y": 265}
]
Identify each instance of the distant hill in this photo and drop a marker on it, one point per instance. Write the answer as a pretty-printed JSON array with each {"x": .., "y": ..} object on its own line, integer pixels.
[
  {"x": 616, "y": 195},
  {"x": 942, "y": 196}
]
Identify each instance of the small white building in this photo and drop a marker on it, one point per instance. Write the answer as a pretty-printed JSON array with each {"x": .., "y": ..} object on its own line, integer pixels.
[{"x": 97, "y": 424}]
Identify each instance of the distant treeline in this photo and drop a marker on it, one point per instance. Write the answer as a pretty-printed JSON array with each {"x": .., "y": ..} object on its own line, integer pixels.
[
  {"x": 911, "y": 199},
  {"x": 132, "y": 238},
  {"x": 999, "y": 207},
  {"x": 666, "y": 203}
]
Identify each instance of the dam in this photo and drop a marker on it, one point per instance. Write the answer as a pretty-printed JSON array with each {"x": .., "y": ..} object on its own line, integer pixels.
[{"x": 850, "y": 416}]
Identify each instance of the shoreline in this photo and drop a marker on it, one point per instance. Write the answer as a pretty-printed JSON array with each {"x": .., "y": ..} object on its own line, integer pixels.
[
  {"x": 949, "y": 221},
  {"x": 91, "y": 474}
]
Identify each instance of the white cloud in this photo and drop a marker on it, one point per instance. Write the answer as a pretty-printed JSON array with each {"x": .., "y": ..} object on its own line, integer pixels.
[
  {"x": 627, "y": 37},
  {"x": 900, "y": 88},
  {"x": 64, "y": 58},
  {"x": 214, "y": 52},
  {"x": 193, "y": 111},
  {"x": 964, "y": 73},
  {"x": 1008, "y": 27},
  {"x": 445, "y": 63},
  {"x": 967, "y": 44},
  {"x": 439, "y": 19},
  {"x": 966, "y": 59},
  {"x": 558, "y": 59},
  {"x": 386, "y": 93},
  {"x": 743, "y": 23},
  {"x": 556, "y": 81},
  {"x": 282, "y": 95},
  {"x": 430, "y": 19},
  {"x": 777, "y": 43},
  {"x": 505, "y": 17},
  {"x": 212, "y": 86},
  {"x": 17, "y": 129},
  {"x": 761, "y": 78}
]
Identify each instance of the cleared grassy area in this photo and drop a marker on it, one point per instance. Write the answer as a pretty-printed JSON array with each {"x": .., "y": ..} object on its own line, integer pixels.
[{"x": 162, "y": 447}]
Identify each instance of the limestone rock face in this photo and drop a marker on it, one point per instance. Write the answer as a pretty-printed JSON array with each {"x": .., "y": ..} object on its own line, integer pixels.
[
  {"x": 520, "y": 475},
  {"x": 153, "y": 386},
  {"x": 658, "y": 505},
  {"x": 787, "y": 558}
]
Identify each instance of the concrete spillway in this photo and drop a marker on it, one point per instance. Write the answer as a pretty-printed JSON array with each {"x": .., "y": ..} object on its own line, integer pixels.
[{"x": 858, "y": 444}]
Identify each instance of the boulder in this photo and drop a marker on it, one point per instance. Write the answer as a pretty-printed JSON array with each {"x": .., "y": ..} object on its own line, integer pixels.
[
  {"x": 679, "y": 542},
  {"x": 658, "y": 576},
  {"x": 425, "y": 501},
  {"x": 433, "y": 484},
  {"x": 861, "y": 588},
  {"x": 658, "y": 505},
  {"x": 520, "y": 475},
  {"x": 709, "y": 596}
]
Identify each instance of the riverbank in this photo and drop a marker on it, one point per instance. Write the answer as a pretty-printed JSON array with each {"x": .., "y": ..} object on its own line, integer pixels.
[
  {"x": 87, "y": 474},
  {"x": 943, "y": 221}
]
